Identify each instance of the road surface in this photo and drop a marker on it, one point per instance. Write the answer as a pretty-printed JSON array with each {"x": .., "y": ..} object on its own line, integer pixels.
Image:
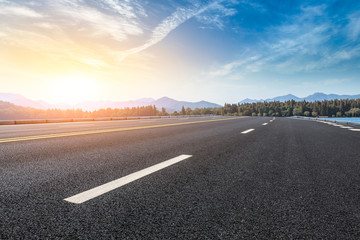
[{"x": 192, "y": 178}]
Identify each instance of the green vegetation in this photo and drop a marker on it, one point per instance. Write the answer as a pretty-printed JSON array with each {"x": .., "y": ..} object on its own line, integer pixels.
[
  {"x": 9, "y": 111},
  {"x": 333, "y": 108}
]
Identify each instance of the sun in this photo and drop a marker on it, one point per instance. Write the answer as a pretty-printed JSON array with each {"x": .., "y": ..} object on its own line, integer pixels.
[{"x": 73, "y": 89}]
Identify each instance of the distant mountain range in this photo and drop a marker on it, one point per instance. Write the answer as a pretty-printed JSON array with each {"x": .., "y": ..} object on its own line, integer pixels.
[
  {"x": 311, "y": 98},
  {"x": 169, "y": 104}
]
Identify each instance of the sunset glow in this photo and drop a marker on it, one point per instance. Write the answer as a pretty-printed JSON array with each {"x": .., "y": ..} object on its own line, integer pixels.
[
  {"x": 219, "y": 51},
  {"x": 73, "y": 89}
]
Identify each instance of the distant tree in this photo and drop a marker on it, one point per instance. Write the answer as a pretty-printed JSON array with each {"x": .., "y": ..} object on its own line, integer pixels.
[
  {"x": 196, "y": 111},
  {"x": 163, "y": 112},
  {"x": 353, "y": 112},
  {"x": 183, "y": 111},
  {"x": 188, "y": 111},
  {"x": 331, "y": 108},
  {"x": 296, "y": 112},
  {"x": 246, "y": 112},
  {"x": 154, "y": 111},
  {"x": 206, "y": 111},
  {"x": 290, "y": 112}
]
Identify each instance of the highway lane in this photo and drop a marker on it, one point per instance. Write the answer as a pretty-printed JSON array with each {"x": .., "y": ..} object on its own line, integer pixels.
[
  {"x": 7, "y": 131},
  {"x": 286, "y": 179}
]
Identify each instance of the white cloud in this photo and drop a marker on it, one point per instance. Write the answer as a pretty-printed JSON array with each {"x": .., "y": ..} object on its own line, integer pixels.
[
  {"x": 299, "y": 45},
  {"x": 227, "y": 69},
  {"x": 335, "y": 81},
  {"x": 59, "y": 24},
  {"x": 106, "y": 23},
  {"x": 170, "y": 23},
  {"x": 129, "y": 9},
  {"x": 353, "y": 27},
  {"x": 309, "y": 12},
  {"x": 334, "y": 58},
  {"x": 19, "y": 11},
  {"x": 99, "y": 24},
  {"x": 45, "y": 25},
  {"x": 216, "y": 14}
]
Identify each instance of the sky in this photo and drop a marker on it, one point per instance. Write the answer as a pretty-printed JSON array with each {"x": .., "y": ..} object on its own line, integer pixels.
[{"x": 68, "y": 51}]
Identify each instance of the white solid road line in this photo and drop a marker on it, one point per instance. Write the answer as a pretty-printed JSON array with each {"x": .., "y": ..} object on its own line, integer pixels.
[
  {"x": 355, "y": 129},
  {"x": 264, "y": 124},
  {"x": 341, "y": 126},
  {"x": 247, "y": 131},
  {"x": 107, "y": 187}
]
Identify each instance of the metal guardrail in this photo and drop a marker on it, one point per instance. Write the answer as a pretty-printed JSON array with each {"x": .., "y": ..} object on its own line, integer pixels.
[
  {"x": 62, "y": 120},
  {"x": 326, "y": 120}
]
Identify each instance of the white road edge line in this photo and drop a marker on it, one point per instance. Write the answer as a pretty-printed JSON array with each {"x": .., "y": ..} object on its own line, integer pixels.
[
  {"x": 247, "y": 131},
  {"x": 355, "y": 129},
  {"x": 107, "y": 187},
  {"x": 264, "y": 124}
]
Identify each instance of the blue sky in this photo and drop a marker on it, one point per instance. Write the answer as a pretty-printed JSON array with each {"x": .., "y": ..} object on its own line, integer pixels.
[{"x": 220, "y": 51}]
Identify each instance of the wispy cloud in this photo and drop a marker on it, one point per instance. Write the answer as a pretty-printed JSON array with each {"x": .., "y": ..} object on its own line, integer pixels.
[
  {"x": 129, "y": 9},
  {"x": 335, "y": 81},
  {"x": 107, "y": 24},
  {"x": 353, "y": 27},
  {"x": 96, "y": 23},
  {"x": 217, "y": 13},
  {"x": 74, "y": 26},
  {"x": 230, "y": 67},
  {"x": 302, "y": 44},
  {"x": 19, "y": 11},
  {"x": 169, "y": 24}
]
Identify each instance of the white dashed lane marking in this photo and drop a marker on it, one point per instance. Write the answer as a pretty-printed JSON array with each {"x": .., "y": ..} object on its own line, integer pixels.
[
  {"x": 247, "y": 131},
  {"x": 107, "y": 187}
]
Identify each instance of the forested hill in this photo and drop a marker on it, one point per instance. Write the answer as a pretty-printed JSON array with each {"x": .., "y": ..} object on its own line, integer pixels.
[
  {"x": 332, "y": 108},
  {"x": 9, "y": 111}
]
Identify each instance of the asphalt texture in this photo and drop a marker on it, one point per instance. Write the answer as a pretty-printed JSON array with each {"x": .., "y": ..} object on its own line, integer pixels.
[{"x": 290, "y": 179}]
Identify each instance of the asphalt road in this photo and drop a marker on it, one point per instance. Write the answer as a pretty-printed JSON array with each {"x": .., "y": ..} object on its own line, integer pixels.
[{"x": 288, "y": 179}]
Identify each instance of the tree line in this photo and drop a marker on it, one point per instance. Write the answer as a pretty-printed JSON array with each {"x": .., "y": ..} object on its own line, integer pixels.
[
  {"x": 9, "y": 111},
  {"x": 332, "y": 108},
  {"x": 329, "y": 108}
]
